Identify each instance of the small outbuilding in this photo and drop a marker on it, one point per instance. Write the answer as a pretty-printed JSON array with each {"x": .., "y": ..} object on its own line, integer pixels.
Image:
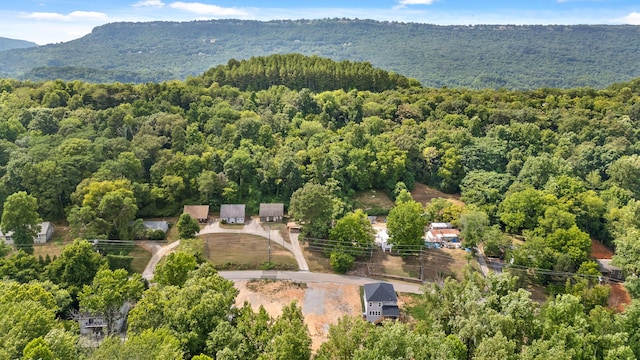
[
  {"x": 380, "y": 302},
  {"x": 45, "y": 234},
  {"x": 198, "y": 212},
  {"x": 610, "y": 271},
  {"x": 444, "y": 237},
  {"x": 156, "y": 225},
  {"x": 232, "y": 213},
  {"x": 271, "y": 212}
]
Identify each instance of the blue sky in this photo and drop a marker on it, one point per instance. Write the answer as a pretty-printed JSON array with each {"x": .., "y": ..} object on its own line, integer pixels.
[{"x": 52, "y": 21}]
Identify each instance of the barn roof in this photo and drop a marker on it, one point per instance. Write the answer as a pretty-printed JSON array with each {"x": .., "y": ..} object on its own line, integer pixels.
[{"x": 197, "y": 211}]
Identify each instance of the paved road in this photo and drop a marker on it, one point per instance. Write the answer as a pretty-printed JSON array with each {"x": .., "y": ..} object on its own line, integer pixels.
[
  {"x": 303, "y": 275},
  {"x": 157, "y": 253},
  {"x": 255, "y": 228},
  {"x": 309, "y": 277}
]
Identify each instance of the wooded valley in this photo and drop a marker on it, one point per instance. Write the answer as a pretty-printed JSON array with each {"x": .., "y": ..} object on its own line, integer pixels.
[
  {"x": 550, "y": 168},
  {"x": 478, "y": 57}
]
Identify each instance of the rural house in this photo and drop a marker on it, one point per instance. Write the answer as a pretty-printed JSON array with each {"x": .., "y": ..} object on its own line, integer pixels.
[
  {"x": 232, "y": 213},
  {"x": 608, "y": 270},
  {"x": 380, "y": 302},
  {"x": 271, "y": 212},
  {"x": 198, "y": 212},
  {"x": 45, "y": 234},
  {"x": 96, "y": 324}
]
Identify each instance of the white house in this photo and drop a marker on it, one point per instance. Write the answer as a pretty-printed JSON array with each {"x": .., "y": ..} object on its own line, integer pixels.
[
  {"x": 232, "y": 213},
  {"x": 45, "y": 234},
  {"x": 380, "y": 302}
]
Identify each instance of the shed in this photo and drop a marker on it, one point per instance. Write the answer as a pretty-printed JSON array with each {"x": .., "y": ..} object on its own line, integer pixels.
[
  {"x": 609, "y": 270},
  {"x": 198, "y": 212},
  {"x": 271, "y": 212},
  {"x": 45, "y": 234},
  {"x": 156, "y": 225},
  {"x": 232, "y": 213}
]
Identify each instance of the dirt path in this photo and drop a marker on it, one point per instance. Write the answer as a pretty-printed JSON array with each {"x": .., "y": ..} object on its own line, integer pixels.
[
  {"x": 322, "y": 303},
  {"x": 253, "y": 227}
]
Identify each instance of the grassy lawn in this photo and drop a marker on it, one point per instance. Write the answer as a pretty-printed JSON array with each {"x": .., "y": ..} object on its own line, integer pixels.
[
  {"x": 140, "y": 260},
  {"x": 373, "y": 199},
  {"x": 245, "y": 251},
  {"x": 61, "y": 238}
]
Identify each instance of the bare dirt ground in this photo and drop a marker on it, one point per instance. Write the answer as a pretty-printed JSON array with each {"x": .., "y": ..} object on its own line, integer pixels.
[
  {"x": 599, "y": 251},
  {"x": 619, "y": 297},
  {"x": 322, "y": 303},
  {"x": 424, "y": 194}
]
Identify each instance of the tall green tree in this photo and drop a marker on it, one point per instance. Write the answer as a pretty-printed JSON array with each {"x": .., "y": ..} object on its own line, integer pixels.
[
  {"x": 312, "y": 205},
  {"x": 108, "y": 293},
  {"x": 188, "y": 227},
  {"x": 20, "y": 215},
  {"x": 76, "y": 267},
  {"x": 353, "y": 231},
  {"x": 406, "y": 223},
  {"x": 174, "y": 269}
]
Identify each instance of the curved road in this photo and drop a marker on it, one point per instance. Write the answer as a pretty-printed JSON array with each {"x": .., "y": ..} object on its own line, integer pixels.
[
  {"x": 253, "y": 227},
  {"x": 303, "y": 275}
]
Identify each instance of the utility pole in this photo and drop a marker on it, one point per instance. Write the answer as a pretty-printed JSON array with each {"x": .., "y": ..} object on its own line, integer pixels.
[{"x": 269, "y": 248}]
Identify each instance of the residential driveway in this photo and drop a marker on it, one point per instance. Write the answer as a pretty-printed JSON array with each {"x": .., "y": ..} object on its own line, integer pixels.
[
  {"x": 254, "y": 227},
  {"x": 157, "y": 252}
]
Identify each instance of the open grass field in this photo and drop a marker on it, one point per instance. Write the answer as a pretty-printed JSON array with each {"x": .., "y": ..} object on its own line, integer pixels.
[
  {"x": 245, "y": 251},
  {"x": 373, "y": 199}
]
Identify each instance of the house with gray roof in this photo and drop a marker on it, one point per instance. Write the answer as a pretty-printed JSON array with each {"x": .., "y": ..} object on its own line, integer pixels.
[
  {"x": 271, "y": 212},
  {"x": 45, "y": 234},
  {"x": 232, "y": 213},
  {"x": 380, "y": 302}
]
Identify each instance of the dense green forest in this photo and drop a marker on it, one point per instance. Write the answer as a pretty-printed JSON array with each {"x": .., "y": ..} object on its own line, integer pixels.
[
  {"x": 488, "y": 56},
  {"x": 551, "y": 167}
]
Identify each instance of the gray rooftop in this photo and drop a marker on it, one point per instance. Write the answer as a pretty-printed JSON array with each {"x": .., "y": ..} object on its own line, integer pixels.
[
  {"x": 271, "y": 210},
  {"x": 379, "y": 292},
  {"x": 232, "y": 211}
]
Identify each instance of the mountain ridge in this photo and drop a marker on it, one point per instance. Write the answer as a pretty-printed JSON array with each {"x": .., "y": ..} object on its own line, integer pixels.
[
  {"x": 9, "y": 44},
  {"x": 479, "y": 56}
]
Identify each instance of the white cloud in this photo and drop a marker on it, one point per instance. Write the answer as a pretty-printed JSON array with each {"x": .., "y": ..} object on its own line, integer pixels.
[
  {"x": 205, "y": 9},
  {"x": 631, "y": 19},
  {"x": 75, "y": 15},
  {"x": 415, "y": 2},
  {"x": 149, "y": 3}
]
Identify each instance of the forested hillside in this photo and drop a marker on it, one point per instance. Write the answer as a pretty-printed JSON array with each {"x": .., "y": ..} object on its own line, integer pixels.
[
  {"x": 553, "y": 168},
  {"x": 8, "y": 44},
  {"x": 492, "y": 56}
]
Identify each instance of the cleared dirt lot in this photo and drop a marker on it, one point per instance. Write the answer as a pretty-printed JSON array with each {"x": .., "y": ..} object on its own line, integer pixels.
[{"x": 322, "y": 303}]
